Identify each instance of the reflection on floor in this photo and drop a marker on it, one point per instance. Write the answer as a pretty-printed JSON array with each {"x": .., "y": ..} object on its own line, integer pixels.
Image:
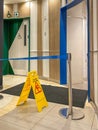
[{"x": 26, "y": 116}]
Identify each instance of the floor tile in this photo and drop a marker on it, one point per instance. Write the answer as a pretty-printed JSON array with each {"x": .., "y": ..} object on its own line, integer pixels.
[
  {"x": 10, "y": 126},
  {"x": 95, "y": 122},
  {"x": 26, "y": 116}
]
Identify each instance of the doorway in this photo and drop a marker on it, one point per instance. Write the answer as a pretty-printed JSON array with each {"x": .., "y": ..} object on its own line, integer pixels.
[
  {"x": 16, "y": 37},
  {"x": 20, "y": 43},
  {"x": 16, "y": 45},
  {"x": 77, "y": 44}
]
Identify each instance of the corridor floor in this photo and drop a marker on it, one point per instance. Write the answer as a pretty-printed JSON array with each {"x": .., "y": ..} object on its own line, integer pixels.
[{"x": 26, "y": 116}]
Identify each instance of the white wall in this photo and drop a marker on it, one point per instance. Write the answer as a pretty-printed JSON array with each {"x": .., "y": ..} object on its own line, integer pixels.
[
  {"x": 77, "y": 43},
  {"x": 63, "y": 2},
  {"x": 33, "y": 34},
  {"x": 85, "y": 49},
  {"x": 95, "y": 45},
  {"x": 45, "y": 37}
]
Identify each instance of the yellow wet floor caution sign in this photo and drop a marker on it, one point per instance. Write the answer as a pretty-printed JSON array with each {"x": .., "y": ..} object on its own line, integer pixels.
[{"x": 32, "y": 82}]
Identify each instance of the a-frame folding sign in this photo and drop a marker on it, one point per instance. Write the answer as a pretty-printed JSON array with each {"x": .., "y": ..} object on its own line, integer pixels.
[{"x": 32, "y": 82}]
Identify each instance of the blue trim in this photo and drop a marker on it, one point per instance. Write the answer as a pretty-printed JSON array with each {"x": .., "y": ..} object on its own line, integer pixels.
[
  {"x": 63, "y": 57},
  {"x": 71, "y": 4},
  {"x": 88, "y": 25},
  {"x": 63, "y": 46}
]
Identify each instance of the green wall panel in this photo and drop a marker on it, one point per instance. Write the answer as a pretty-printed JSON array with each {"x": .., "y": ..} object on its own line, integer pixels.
[
  {"x": 11, "y": 27},
  {"x": 7, "y": 69},
  {"x": 5, "y": 49},
  {"x": 14, "y": 26}
]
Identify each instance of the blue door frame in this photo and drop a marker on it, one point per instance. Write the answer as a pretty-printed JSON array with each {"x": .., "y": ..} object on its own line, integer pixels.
[{"x": 63, "y": 41}]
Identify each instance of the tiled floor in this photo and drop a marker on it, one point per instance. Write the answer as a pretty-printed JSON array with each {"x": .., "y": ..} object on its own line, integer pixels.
[{"x": 26, "y": 116}]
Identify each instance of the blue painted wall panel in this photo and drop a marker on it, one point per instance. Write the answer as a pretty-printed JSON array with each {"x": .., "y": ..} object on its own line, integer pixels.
[
  {"x": 88, "y": 34},
  {"x": 63, "y": 46}
]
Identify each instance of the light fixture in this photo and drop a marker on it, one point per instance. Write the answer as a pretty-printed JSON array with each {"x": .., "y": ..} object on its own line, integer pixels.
[{"x": 27, "y": 3}]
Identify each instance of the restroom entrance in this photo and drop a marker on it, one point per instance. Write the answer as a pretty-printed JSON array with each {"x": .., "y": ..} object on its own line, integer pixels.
[
  {"x": 16, "y": 45},
  {"x": 77, "y": 43}
]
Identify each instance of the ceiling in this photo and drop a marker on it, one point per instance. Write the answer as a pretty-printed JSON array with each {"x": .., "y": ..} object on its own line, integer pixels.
[{"x": 14, "y": 1}]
